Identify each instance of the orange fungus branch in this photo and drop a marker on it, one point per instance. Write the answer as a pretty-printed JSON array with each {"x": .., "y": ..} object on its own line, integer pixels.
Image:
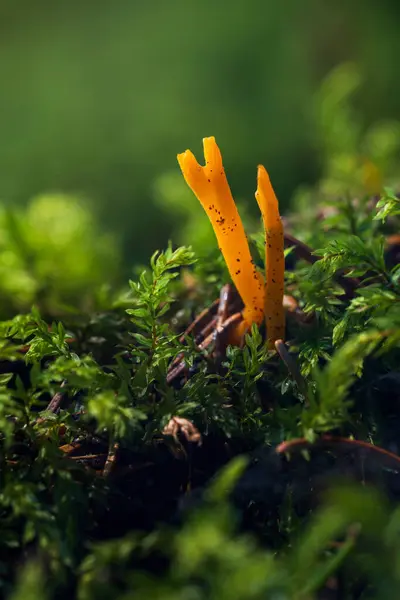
[
  {"x": 274, "y": 258},
  {"x": 210, "y": 186}
]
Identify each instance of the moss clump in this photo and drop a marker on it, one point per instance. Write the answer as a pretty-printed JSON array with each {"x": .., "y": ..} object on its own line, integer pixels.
[{"x": 108, "y": 464}]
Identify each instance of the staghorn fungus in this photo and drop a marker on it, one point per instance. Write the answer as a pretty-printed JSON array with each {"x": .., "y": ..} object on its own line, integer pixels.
[
  {"x": 210, "y": 186},
  {"x": 274, "y": 257}
]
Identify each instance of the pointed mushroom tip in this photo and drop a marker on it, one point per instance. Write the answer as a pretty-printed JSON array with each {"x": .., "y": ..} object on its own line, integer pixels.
[
  {"x": 263, "y": 178},
  {"x": 262, "y": 171},
  {"x": 181, "y": 157},
  {"x": 186, "y": 156},
  {"x": 212, "y": 153},
  {"x": 209, "y": 145}
]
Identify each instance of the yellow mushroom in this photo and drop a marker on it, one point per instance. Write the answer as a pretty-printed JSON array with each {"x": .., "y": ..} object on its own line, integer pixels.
[
  {"x": 210, "y": 186},
  {"x": 274, "y": 258}
]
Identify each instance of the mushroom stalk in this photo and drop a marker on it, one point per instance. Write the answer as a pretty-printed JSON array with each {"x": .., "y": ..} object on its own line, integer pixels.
[
  {"x": 210, "y": 186},
  {"x": 274, "y": 258}
]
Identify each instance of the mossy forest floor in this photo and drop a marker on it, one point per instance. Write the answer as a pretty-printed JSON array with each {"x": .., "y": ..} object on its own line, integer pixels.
[{"x": 252, "y": 473}]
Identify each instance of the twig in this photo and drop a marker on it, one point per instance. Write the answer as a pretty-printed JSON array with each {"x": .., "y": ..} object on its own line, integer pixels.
[
  {"x": 301, "y": 249},
  {"x": 389, "y": 459},
  {"x": 111, "y": 459},
  {"x": 55, "y": 403}
]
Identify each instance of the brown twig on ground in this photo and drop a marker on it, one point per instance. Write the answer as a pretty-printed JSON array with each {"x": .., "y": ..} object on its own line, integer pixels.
[
  {"x": 92, "y": 460},
  {"x": 111, "y": 459},
  {"x": 55, "y": 403},
  {"x": 301, "y": 250},
  {"x": 212, "y": 325},
  {"x": 388, "y": 459}
]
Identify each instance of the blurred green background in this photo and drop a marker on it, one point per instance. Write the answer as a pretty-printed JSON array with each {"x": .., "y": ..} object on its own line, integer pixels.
[{"x": 97, "y": 98}]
